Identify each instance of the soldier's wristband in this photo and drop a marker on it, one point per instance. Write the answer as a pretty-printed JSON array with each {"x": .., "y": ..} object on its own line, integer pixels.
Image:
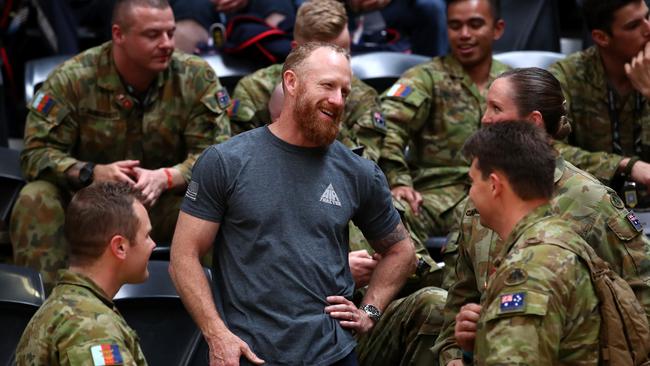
[
  {"x": 628, "y": 167},
  {"x": 169, "y": 178}
]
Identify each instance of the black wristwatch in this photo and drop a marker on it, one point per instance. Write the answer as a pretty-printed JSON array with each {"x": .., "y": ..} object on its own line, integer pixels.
[
  {"x": 372, "y": 311},
  {"x": 86, "y": 174}
]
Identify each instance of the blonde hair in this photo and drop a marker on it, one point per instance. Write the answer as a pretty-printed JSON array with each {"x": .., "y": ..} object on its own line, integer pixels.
[{"x": 320, "y": 20}]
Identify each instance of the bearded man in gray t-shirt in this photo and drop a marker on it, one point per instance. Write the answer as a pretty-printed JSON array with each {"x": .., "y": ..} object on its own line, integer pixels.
[{"x": 275, "y": 203}]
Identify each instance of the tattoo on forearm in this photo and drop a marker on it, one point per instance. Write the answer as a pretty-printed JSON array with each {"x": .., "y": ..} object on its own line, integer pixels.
[{"x": 398, "y": 234}]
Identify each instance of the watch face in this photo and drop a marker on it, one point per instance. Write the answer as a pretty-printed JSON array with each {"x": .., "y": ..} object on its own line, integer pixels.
[{"x": 86, "y": 174}]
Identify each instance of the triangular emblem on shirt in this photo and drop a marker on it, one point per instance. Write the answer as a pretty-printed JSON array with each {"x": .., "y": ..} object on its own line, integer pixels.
[{"x": 329, "y": 196}]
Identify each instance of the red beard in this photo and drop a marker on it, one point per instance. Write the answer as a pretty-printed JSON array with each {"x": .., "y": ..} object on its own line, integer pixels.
[{"x": 314, "y": 125}]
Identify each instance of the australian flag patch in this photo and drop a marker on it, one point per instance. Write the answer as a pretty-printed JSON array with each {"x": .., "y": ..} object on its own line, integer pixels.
[{"x": 512, "y": 302}]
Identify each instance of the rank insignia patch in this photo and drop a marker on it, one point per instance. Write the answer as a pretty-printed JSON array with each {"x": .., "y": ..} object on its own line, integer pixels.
[
  {"x": 512, "y": 302},
  {"x": 106, "y": 354}
]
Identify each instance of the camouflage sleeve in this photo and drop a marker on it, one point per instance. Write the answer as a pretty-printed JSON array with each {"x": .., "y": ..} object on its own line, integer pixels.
[
  {"x": 601, "y": 164},
  {"x": 365, "y": 121},
  {"x": 460, "y": 275},
  {"x": 208, "y": 122},
  {"x": 50, "y": 131},
  {"x": 624, "y": 246},
  {"x": 250, "y": 101},
  {"x": 406, "y": 106},
  {"x": 540, "y": 305}
]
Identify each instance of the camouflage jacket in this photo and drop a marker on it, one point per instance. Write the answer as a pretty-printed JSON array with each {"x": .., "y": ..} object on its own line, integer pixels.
[
  {"x": 362, "y": 125},
  {"x": 585, "y": 88},
  {"x": 78, "y": 325},
  {"x": 593, "y": 210},
  {"x": 540, "y": 307},
  {"x": 84, "y": 112},
  {"x": 432, "y": 109}
]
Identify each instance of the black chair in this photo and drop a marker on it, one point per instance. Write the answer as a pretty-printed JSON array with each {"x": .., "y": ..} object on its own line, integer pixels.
[
  {"x": 21, "y": 294},
  {"x": 530, "y": 25},
  {"x": 36, "y": 72},
  {"x": 230, "y": 69},
  {"x": 381, "y": 69},
  {"x": 168, "y": 335},
  {"x": 542, "y": 59},
  {"x": 11, "y": 181}
]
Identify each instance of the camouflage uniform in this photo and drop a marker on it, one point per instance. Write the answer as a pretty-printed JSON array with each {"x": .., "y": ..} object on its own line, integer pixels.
[
  {"x": 362, "y": 125},
  {"x": 540, "y": 307},
  {"x": 432, "y": 109},
  {"x": 584, "y": 84},
  {"x": 593, "y": 210},
  {"x": 73, "y": 321},
  {"x": 84, "y": 112}
]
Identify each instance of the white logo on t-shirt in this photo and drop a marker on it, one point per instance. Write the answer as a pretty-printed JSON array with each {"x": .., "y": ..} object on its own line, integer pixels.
[
  {"x": 192, "y": 190},
  {"x": 329, "y": 196}
]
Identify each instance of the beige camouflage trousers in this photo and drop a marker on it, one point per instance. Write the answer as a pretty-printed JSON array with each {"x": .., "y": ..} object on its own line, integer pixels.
[
  {"x": 406, "y": 331},
  {"x": 36, "y": 227}
]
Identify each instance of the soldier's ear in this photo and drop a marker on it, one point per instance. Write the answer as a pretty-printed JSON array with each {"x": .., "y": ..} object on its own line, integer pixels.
[
  {"x": 117, "y": 34},
  {"x": 601, "y": 38},
  {"x": 119, "y": 246},
  {"x": 496, "y": 184},
  {"x": 499, "y": 28}
]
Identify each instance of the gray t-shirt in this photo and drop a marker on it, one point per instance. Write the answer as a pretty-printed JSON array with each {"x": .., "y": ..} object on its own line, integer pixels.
[{"x": 282, "y": 245}]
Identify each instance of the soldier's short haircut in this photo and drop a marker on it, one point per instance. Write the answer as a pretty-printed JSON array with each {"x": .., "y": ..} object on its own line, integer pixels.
[
  {"x": 298, "y": 55},
  {"x": 95, "y": 214},
  {"x": 122, "y": 7},
  {"x": 535, "y": 89},
  {"x": 599, "y": 14},
  {"x": 519, "y": 150},
  {"x": 495, "y": 7},
  {"x": 320, "y": 20}
]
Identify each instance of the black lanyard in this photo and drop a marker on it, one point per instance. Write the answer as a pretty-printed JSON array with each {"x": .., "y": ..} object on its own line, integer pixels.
[{"x": 617, "y": 148}]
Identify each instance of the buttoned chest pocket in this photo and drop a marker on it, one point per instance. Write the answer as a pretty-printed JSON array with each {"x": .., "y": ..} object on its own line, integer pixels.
[{"x": 102, "y": 136}]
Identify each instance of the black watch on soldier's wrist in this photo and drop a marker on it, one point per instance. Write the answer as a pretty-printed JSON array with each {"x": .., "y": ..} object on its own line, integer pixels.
[
  {"x": 372, "y": 311},
  {"x": 86, "y": 174}
]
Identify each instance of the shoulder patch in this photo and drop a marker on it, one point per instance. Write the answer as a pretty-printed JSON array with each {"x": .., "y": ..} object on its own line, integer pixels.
[
  {"x": 399, "y": 90},
  {"x": 514, "y": 302},
  {"x": 636, "y": 223},
  {"x": 209, "y": 74},
  {"x": 616, "y": 202},
  {"x": 223, "y": 98},
  {"x": 234, "y": 107},
  {"x": 379, "y": 121},
  {"x": 192, "y": 190},
  {"x": 106, "y": 354},
  {"x": 43, "y": 103},
  {"x": 516, "y": 276}
]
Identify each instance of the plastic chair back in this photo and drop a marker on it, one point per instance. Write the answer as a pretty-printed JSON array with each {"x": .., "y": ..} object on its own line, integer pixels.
[{"x": 168, "y": 335}]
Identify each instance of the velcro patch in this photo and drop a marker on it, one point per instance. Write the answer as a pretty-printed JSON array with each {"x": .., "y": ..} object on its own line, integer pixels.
[
  {"x": 379, "y": 121},
  {"x": 106, "y": 354},
  {"x": 399, "y": 90},
  {"x": 223, "y": 98},
  {"x": 636, "y": 223},
  {"x": 234, "y": 107},
  {"x": 512, "y": 302},
  {"x": 43, "y": 103}
]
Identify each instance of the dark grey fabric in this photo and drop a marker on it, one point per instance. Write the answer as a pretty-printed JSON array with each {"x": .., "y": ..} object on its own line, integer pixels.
[{"x": 282, "y": 244}]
